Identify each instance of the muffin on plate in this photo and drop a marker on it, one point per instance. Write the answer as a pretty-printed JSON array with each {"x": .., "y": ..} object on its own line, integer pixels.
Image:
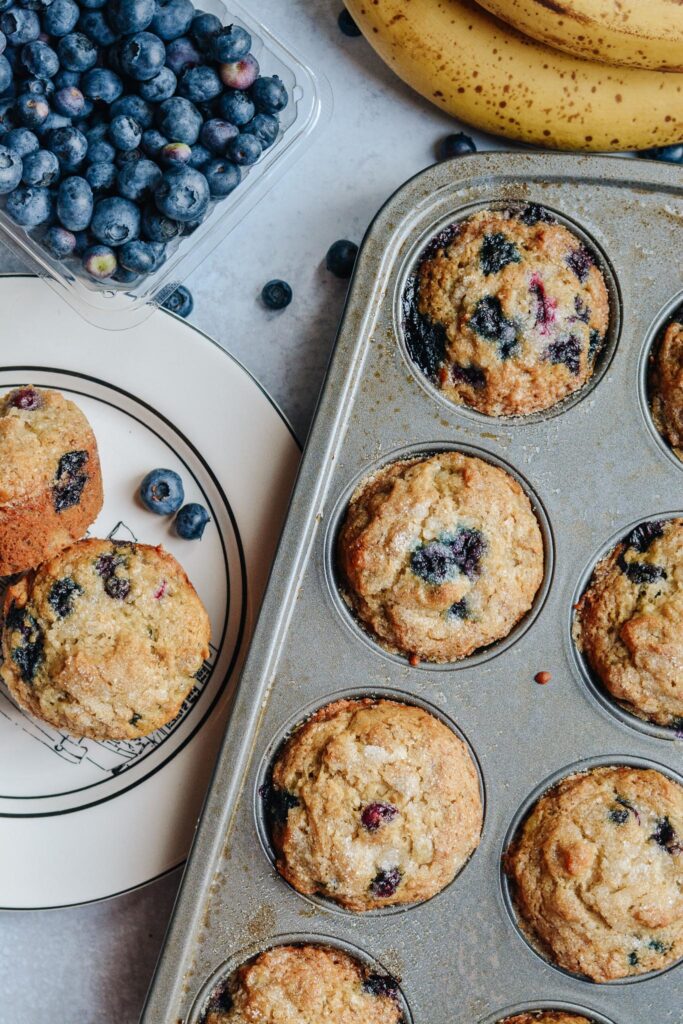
[
  {"x": 629, "y": 622},
  {"x": 545, "y": 1017},
  {"x": 439, "y": 556},
  {"x": 373, "y": 803},
  {"x": 104, "y": 640},
  {"x": 597, "y": 872},
  {"x": 305, "y": 984},
  {"x": 50, "y": 480},
  {"x": 666, "y": 386},
  {"x": 507, "y": 312}
]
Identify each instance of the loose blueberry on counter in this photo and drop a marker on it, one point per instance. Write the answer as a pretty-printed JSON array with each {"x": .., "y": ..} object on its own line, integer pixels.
[
  {"x": 276, "y": 294},
  {"x": 191, "y": 521},
  {"x": 489, "y": 322},
  {"x": 497, "y": 251},
  {"x": 29, "y": 206},
  {"x": 671, "y": 154},
  {"x": 159, "y": 88},
  {"x": 74, "y": 203},
  {"x": 385, "y": 883},
  {"x": 27, "y": 399},
  {"x": 115, "y": 221},
  {"x": 172, "y": 18},
  {"x": 182, "y": 194},
  {"x": 269, "y": 95},
  {"x": 376, "y": 815},
  {"x": 129, "y": 16},
  {"x": 62, "y": 595},
  {"x": 161, "y": 491},
  {"x": 99, "y": 261},
  {"x": 347, "y": 24},
  {"x": 454, "y": 145},
  {"x": 230, "y": 43},
  {"x": 180, "y": 302},
  {"x": 21, "y": 141},
  {"x": 240, "y": 74},
  {"x": 11, "y": 169},
  {"x": 70, "y": 478},
  {"x": 341, "y": 258},
  {"x": 180, "y": 120},
  {"x": 59, "y": 242},
  {"x": 29, "y": 653},
  {"x": 236, "y": 107}
]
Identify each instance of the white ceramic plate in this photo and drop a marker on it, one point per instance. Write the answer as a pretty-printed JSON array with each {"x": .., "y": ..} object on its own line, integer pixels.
[{"x": 81, "y": 819}]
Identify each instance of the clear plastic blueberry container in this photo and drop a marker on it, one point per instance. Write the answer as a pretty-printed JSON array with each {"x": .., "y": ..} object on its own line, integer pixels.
[{"x": 119, "y": 306}]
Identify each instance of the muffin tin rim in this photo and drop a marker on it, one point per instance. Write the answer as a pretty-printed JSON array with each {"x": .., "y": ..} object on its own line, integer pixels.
[
  {"x": 543, "y": 1006},
  {"x": 652, "y": 341}
]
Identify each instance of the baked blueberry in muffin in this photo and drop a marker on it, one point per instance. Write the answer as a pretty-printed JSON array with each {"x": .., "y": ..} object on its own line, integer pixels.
[
  {"x": 104, "y": 639},
  {"x": 666, "y": 386},
  {"x": 545, "y": 1017},
  {"x": 629, "y": 622},
  {"x": 373, "y": 803},
  {"x": 507, "y": 312},
  {"x": 439, "y": 556},
  {"x": 305, "y": 984},
  {"x": 50, "y": 480},
  {"x": 597, "y": 872}
]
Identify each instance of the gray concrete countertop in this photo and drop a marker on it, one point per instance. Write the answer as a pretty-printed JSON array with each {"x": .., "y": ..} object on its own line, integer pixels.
[{"x": 92, "y": 964}]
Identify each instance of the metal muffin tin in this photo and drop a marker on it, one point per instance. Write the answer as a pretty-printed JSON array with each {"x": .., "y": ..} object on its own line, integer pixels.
[{"x": 594, "y": 467}]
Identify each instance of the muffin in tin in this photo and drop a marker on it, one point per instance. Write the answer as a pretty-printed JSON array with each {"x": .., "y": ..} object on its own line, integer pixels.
[
  {"x": 373, "y": 803},
  {"x": 439, "y": 556},
  {"x": 104, "y": 639},
  {"x": 666, "y": 385},
  {"x": 50, "y": 480},
  {"x": 507, "y": 312},
  {"x": 305, "y": 984},
  {"x": 629, "y": 622},
  {"x": 597, "y": 872},
  {"x": 545, "y": 1017}
]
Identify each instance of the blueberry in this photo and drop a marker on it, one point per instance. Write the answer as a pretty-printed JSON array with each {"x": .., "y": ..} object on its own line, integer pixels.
[
  {"x": 203, "y": 29},
  {"x": 125, "y": 133},
  {"x": 20, "y": 26},
  {"x": 157, "y": 228},
  {"x": 69, "y": 146},
  {"x": 129, "y": 16},
  {"x": 137, "y": 181},
  {"x": 381, "y": 985},
  {"x": 191, "y": 521},
  {"x": 347, "y": 25},
  {"x": 200, "y": 84},
  {"x": 102, "y": 84},
  {"x": 3, "y": 42},
  {"x": 172, "y": 18},
  {"x": 95, "y": 26},
  {"x": 40, "y": 87},
  {"x": 567, "y": 350},
  {"x": 618, "y": 815},
  {"x": 124, "y": 276},
  {"x": 532, "y": 214},
  {"x": 92, "y": 5},
  {"x": 244, "y": 150},
  {"x": 216, "y": 134},
  {"x": 385, "y": 883},
  {"x": 29, "y": 206},
  {"x": 231, "y": 43},
  {"x": 240, "y": 74},
  {"x": 142, "y": 56},
  {"x": 472, "y": 375},
  {"x": 35, "y": 5},
  {"x": 51, "y": 122},
  {"x": 99, "y": 261},
  {"x": 459, "y": 610},
  {"x": 265, "y": 127},
  {"x": 28, "y": 653},
  {"x": 341, "y": 258},
  {"x": 182, "y": 53},
  {"x": 235, "y": 106},
  {"x": 40, "y": 60},
  {"x": 175, "y": 154},
  {"x": 665, "y": 836},
  {"x": 497, "y": 251},
  {"x": 141, "y": 257},
  {"x": 100, "y": 151},
  {"x": 153, "y": 142},
  {"x": 59, "y": 242},
  {"x": 22, "y": 142},
  {"x": 580, "y": 262},
  {"x": 441, "y": 560},
  {"x": 83, "y": 240},
  {"x": 76, "y": 52},
  {"x": 116, "y": 221},
  {"x": 6, "y": 75},
  {"x": 595, "y": 340},
  {"x": 101, "y": 176},
  {"x": 27, "y": 399},
  {"x": 70, "y": 479},
  {"x": 69, "y": 101},
  {"x": 31, "y": 110},
  {"x": 643, "y": 536},
  {"x": 269, "y": 95},
  {"x": 10, "y": 170},
  {"x": 75, "y": 203},
  {"x": 276, "y": 294},
  {"x": 199, "y": 157},
  {"x": 642, "y": 573},
  {"x": 117, "y": 588},
  {"x": 128, "y": 156},
  {"x": 181, "y": 303},
  {"x": 61, "y": 596},
  {"x": 377, "y": 814},
  {"x": 41, "y": 169},
  {"x": 7, "y": 120},
  {"x": 672, "y": 154},
  {"x": 135, "y": 107},
  {"x": 454, "y": 145},
  {"x": 180, "y": 120},
  {"x": 489, "y": 322},
  {"x": 162, "y": 492},
  {"x": 159, "y": 88}
]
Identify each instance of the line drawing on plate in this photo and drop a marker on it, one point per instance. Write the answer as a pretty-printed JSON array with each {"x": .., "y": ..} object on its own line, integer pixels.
[{"x": 110, "y": 757}]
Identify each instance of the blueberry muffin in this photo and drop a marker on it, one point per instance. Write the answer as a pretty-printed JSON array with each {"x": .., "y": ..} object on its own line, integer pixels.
[
  {"x": 305, "y": 985},
  {"x": 507, "y": 312},
  {"x": 545, "y": 1017},
  {"x": 629, "y": 622},
  {"x": 666, "y": 386},
  {"x": 104, "y": 640},
  {"x": 440, "y": 556},
  {"x": 373, "y": 803},
  {"x": 597, "y": 872},
  {"x": 50, "y": 481}
]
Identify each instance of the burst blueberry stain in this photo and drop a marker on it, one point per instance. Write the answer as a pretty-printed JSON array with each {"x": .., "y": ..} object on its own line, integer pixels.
[
  {"x": 277, "y": 802},
  {"x": 642, "y": 536},
  {"x": 440, "y": 560},
  {"x": 117, "y": 587},
  {"x": 385, "y": 883},
  {"x": 580, "y": 262},
  {"x": 497, "y": 251},
  {"x": 377, "y": 814},
  {"x": 582, "y": 309},
  {"x": 545, "y": 306},
  {"x": 472, "y": 375},
  {"x": 618, "y": 815},
  {"x": 61, "y": 596},
  {"x": 532, "y": 214},
  {"x": 490, "y": 323},
  {"x": 627, "y": 805},
  {"x": 594, "y": 343},
  {"x": 106, "y": 565},
  {"x": 566, "y": 351},
  {"x": 425, "y": 340},
  {"x": 459, "y": 610},
  {"x": 641, "y": 573},
  {"x": 381, "y": 985},
  {"x": 29, "y": 654},
  {"x": 665, "y": 835},
  {"x": 633, "y": 959},
  {"x": 70, "y": 480},
  {"x": 220, "y": 1002}
]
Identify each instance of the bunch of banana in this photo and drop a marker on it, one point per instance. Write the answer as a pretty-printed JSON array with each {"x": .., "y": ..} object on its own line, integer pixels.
[{"x": 489, "y": 74}]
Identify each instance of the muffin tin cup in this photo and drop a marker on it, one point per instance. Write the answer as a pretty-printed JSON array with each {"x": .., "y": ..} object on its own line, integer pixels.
[
  {"x": 523, "y": 812},
  {"x": 598, "y": 692},
  {"x": 538, "y": 1006},
  {"x": 652, "y": 341},
  {"x": 590, "y": 472},
  {"x": 290, "y": 727}
]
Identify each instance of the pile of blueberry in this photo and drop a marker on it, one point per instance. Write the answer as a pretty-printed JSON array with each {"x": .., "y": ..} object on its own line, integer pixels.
[{"x": 121, "y": 121}]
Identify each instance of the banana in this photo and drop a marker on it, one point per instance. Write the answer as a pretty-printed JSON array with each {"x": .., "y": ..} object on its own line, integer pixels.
[
  {"x": 638, "y": 33},
  {"x": 484, "y": 72}
]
